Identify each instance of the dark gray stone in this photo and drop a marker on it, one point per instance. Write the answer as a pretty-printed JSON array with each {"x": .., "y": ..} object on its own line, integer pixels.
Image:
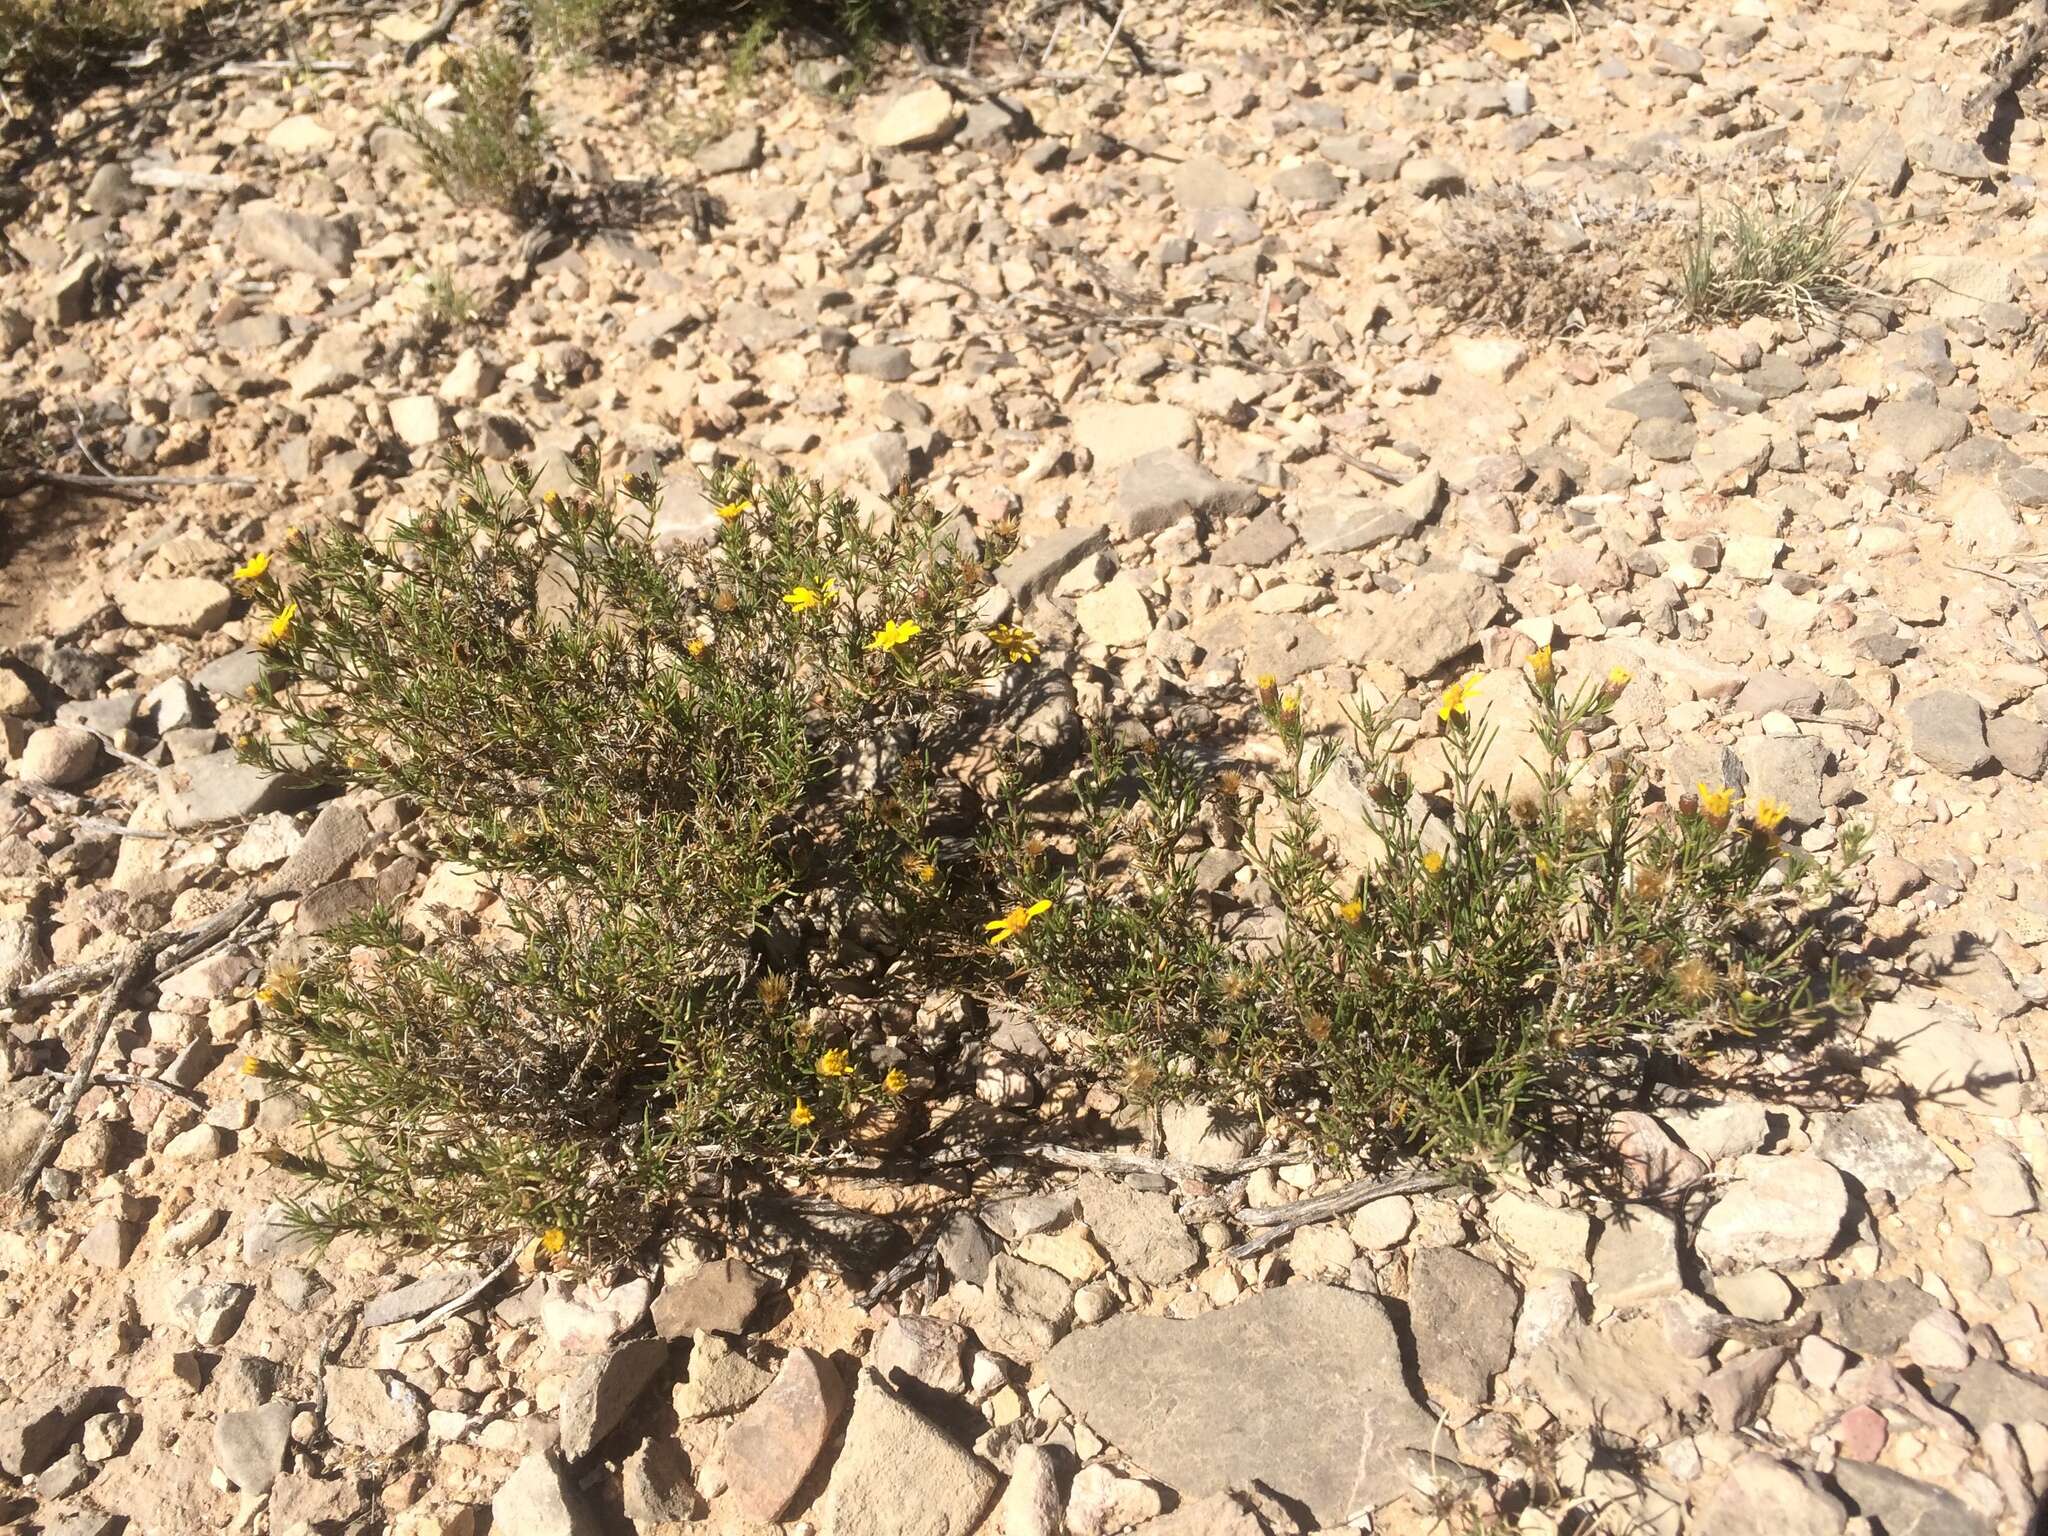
[
  {"x": 1262, "y": 541},
  {"x": 1298, "y": 1388},
  {"x": 1462, "y": 1312},
  {"x": 1871, "y": 1317},
  {"x": 1138, "y": 1230},
  {"x": 221, "y": 787},
  {"x": 250, "y": 1445},
  {"x": 1900, "y": 1505},
  {"x": 1035, "y": 569},
  {"x": 1157, "y": 489},
  {"x": 739, "y": 150},
  {"x": 416, "y": 1298},
  {"x": 598, "y": 1398},
  {"x": 1948, "y": 731}
]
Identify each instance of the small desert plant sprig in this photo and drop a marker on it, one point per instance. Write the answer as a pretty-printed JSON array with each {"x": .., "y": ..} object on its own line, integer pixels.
[
  {"x": 709, "y": 788},
  {"x": 1456, "y": 992},
  {"x": 494, "y": 148},
  {"x": 1784, "y": 253}
]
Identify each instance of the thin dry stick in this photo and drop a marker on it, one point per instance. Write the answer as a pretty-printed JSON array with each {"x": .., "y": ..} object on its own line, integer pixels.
[
  {"x": 1177, "y": 1169},
  {"x": 1283, "y": 1221},
  {"x": 134, "y": 963},
  {"x": 448, "y": 1309},
  {"x": 92, "y": 973},
  {"x": 437, "y": 29},
  {"x": 89, "y": 482},
  {"x": 2026, "y": 51}
]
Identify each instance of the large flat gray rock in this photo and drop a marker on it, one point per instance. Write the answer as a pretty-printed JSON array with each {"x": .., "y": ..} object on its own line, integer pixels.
[{"x": 1298, "y": 1388}]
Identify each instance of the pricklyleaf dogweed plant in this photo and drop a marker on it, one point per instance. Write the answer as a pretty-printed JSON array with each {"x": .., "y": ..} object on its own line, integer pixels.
[
  {"x": 1474, "y": 978},
  {"x": 706, "y": 790}
]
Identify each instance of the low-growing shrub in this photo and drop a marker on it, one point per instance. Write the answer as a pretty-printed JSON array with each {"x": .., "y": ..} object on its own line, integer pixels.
[
  {"x": 1461, "y": 989},
  {"x": 709, "y": 788},
  {"x": 1785, "y": 253},
  {"x": 741, "y": 891},
  {"x": 494, "y": 149}
]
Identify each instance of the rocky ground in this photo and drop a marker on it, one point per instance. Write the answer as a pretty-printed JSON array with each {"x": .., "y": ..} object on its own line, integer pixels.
[{"x": 1222, "y": 334}]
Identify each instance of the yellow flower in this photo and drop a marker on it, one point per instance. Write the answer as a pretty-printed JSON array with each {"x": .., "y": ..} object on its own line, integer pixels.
[
  {"x": 1269, "y": 690},
  {"x": 1768, "y": 813},
  {"x": 1432, "y": 861},
  {"x": 732, "y": 511},
  {"x": 251, "y": 1067},
  {"x": 1457, "y": 698},
  {"x": 894, "y": 633},
  {"x": 1352, "y": 912},
  {"x": 554, "y": 1240},
  {"x": 1618, "y": 678},
  {"x": 1542, "y": 668},
  {"x": 833, "y": 1064},
  {"x": 801, "y": 1116},
  {"x": 1015, "y": 921},
  {"x": 253, "y": 567},
  {"x": 281, "y": 626},
  {"x": 803, "y": 599},
  {"x": 896, "y": 1081},
  {"x": 696, "y": 645},
  {"x": 1016, "y": 643},
  {"x": 1715, "y": 804},
  {"x": 918, "y": 865}
]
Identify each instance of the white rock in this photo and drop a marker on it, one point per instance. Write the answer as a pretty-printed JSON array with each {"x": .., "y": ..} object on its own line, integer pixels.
[
  {"x": 1777, "y": 1210},
  {"x": 1117, "y": 615},
  {"x": 418, "y": 420},
  {"x": 922, "y": 117}
]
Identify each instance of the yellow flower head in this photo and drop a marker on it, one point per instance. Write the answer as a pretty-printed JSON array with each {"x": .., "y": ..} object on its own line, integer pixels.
[
  {"x": 1015, "y": 921},
  {"x": 253, "y": 567},
  {"x": 920, "y": 867},
  {"x": 1457, "y": 699},
  {"x": 833, "y": 1064},
  {"x": 1715, "y": 804},
  {"x": 1432, "y": 861},
  {"x": 1352, "y": 912},
  {"x": 896, "y": 1081},
  {"x": 801, "y": 1116},
  {"x": 1542, "y": 667},
  {"x": 732, "y": 511},
  {"x": 251, "y": 1067},
  {"x": 696, "y": 646},
  {"x": 281, "y": 626},
  {"x": 1618, "y": 678},
  {"x": 1269, "y": 690},
  {"x": 894, "y": 633},
  {"x": 803, "y": 599},
  {"x": 1767, "y": 813},
  {"x": 554, "y": 1240},
  {"x": 1015, "y": 642}
]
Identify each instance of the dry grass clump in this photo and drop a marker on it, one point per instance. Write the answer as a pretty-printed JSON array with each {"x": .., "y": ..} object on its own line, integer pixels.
[
  {"x": 44, "y": 38},
  {"x": 1536, "y": 265}
]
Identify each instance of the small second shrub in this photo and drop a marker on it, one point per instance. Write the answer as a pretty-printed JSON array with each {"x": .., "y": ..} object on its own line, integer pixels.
[
  {"x": 1469, "y": 986},
  {"x": 494, "y": 149}
]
